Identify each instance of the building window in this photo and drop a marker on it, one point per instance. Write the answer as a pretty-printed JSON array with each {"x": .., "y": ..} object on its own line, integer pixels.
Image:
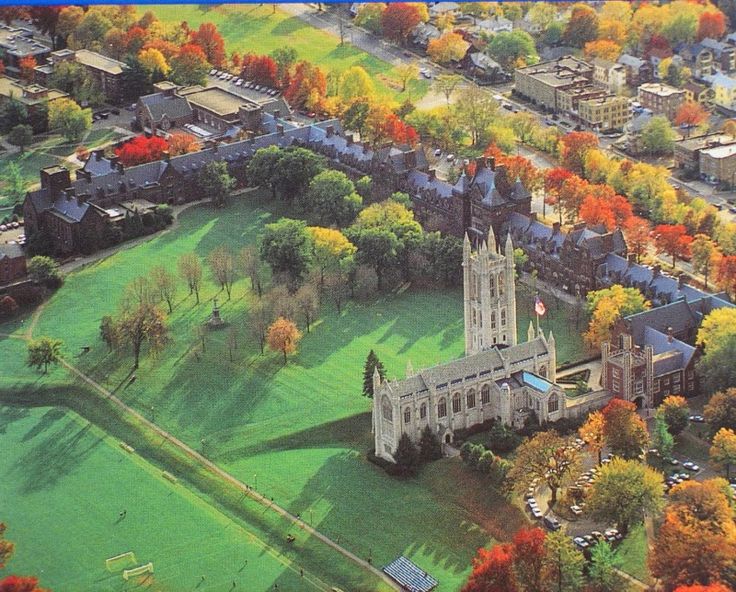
[
  {"x": 475, "y": 318},
  {"x": 615, "y": 385},
  {"x": 407, "y": 415},
  {"x": 493, "y": 320},
  {"x": 553, "y": 404},
  {"x": 456, "y": 403},
  {"x": 485, "y": 394},
  {"x": 503, "y": 317},
  {"x": 470, "y": 399},
  {"x": 423, "y": 411},
  {"x": 386, "y": 409},
  {"x": 500, "y": 284},
  {"x": 442, "y": 408},
  {"x": 639, "y": 387}
]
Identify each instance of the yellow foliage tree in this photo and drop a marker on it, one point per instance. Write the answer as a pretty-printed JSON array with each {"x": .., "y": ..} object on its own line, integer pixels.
[
  {"x": 447, "y": 48},
  {"x": 355, "y": 83},
  {"x": 723, "y": 451},
  {"x": 154, "y": 61},
  {"x": 602, "y": 48},
  {"x": 593, "y": 433},
  {"x": 332, "y": 250}
]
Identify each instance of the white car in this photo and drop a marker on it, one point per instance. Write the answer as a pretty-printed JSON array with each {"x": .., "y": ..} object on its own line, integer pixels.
[
  {"x": 537, "y": 513},
  {"x": 213, "y": 71},
  {"x": 577, "y": 510},
  {"x": 580, "y": 542},
  {"x": 450, "y": 157}
]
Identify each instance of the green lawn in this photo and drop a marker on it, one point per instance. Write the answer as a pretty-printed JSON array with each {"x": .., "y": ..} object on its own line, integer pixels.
[
  {"x": 300, "y": 432},
  {"x": 632, "y": 554},
  {"x": 258, "y": 29}
]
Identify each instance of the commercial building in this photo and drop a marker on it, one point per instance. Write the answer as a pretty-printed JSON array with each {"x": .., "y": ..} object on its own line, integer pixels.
[
  {"x": 662, "y": 99},
  {"x": 687, "y": 151},
  {"x": 604, "y": 113},
  {"x": 542, "y": 83},
  {"x": 718, "y": 164}
]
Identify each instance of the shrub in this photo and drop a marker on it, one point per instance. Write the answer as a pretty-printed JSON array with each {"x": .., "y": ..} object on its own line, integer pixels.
[
  {"x": 8, "y": 306},
  {"x": 502, "y": 439},
  {"x": 430, "y": 447}
]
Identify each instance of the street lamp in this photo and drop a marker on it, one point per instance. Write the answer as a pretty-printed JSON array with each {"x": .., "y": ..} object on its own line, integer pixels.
[{"x": 202, "y": 442}]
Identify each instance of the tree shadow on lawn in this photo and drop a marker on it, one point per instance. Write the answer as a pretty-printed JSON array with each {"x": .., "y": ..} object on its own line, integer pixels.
[
  {"x": 47, "y": 420},
  {"x": 54, "y": 457},
  {"x": 290, "y": 26},
  {"x": 9, "y": 415}
]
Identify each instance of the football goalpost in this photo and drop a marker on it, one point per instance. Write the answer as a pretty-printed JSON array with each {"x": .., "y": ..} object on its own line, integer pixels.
[
  {"x": 137, "y": 571},
  {"x": 120, "y": 562}
]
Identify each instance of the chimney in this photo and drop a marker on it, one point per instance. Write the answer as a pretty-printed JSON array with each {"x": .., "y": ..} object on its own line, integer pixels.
[
  {"x": 656, "y": 271},
  {"x": 555, "y": 226},
  {"x": 480, "y": 163},
  {"x": 279, "y": 129},
  {"x": 166, "y": 156},
  {"x": 432, "y": 174},
  {"x": 533, "y": 216},
  {"x": 491, "y": 163},
  {"x": 670, "y": 335},
  {"x": 330, "y": 129},
  {"x": 631, "y": 258},
  {"x": 82, "y": 174},
  {"x": 681, "y": 280},
  {"x": 579, "y": 226},
  {"x": 350, "y": 138},
  {"x": 276, "y": 113},
  {"x": 114, "y": 161},
  {"x": 98, "y": 154},
  {"x": 366, "y": 147},
  {"x": 120, "y": 166}
]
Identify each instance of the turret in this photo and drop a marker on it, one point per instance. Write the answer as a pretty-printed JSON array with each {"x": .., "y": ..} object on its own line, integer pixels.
[
  {"x": 376, "y": 381},
  {"x": 466, "y": 247},
  {"x": 409, "y": 369},
  {"x": 530, "y": 334},
  {"x": 491, "y": 240},
  {"x": 509, "y": 251},
  {"x": 551, "y": 347}
]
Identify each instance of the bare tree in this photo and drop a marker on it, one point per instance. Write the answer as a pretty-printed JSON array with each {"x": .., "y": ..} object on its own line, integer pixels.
[
  {"x": 282, "y": 301},
  {"x": 307, "y": 302},
  {"x": 190, "y": 269},
  {"x": 222, "y": 264},
  {"x": 141, "y": 323},
  {"x": 259, "y": 320},
  {"x": 252, "y": 266},
  {"x": 336, "y": 285},
  {"x": 232, "y": 341},
  {"x": 201, "y": 332},
  {"x": 164, "y": 284},
  {"x": 139, "y": 291}
]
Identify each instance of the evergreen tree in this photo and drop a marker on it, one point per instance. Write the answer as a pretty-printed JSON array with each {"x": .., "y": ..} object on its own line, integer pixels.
[
  {"x": 602, "y": 571},
  {"x": 406, "y": 456},
  {"x": 429, "y": 446},
  {"x": 371, "y": 363}
]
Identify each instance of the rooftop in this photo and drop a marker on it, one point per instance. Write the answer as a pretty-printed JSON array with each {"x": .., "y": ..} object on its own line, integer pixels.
[
  {"x": 214, "y": 99},
  {"x": 29, "y": 95},
  {"x": 20, "y": 42},
  {"x": 720, "y": 151},
  {"x": 662, "y": 90},
  {"x": 99, "y": 62}
]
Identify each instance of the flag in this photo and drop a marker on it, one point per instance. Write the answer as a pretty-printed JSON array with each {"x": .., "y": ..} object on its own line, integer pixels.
[{"x": 539, "y": 307}]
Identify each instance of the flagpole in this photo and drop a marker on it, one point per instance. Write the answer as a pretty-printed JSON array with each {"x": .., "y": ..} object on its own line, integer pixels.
[{"x": 536, "y": 312}]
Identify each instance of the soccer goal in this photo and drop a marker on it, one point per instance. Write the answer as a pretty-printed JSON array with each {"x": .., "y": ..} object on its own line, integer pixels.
[
  {"x": 120, "y": 562},
  {"x": 137, "y": 571}
]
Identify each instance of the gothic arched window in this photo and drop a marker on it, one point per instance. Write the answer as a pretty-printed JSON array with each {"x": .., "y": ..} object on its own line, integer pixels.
[
  {"x": 475, "y": 320},
  {"x": 407, "y": 415},
  {"x": 493, "y": 320},
  {"x": 503, "y": 317},
  {"x": 456, "y": 403},
  {"x": 388, "y": 414},
  {"x": 493, "y": 287},
  {"x": 442, "y": 408},
  {"x": 485, "y": 394},
  {"x": 553, "y": 404},
  {"x": 500, "y": 284},
  {"x": 543, "y": 371},
  {"x": 423, "y": 411},
  {"x": 470, "y": 399}
]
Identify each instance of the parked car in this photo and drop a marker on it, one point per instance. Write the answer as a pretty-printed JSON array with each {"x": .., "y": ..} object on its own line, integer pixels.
[
  {"x": 691, "y": 466},
  {"x": 537, "y": 513},
  {"x": 674, "y": 462},
  {"x": 552, "y": 523},
  {"x": 700, "y": 418},
  {"x": 580, "y": 542},
  {"x": 115, "y": 111},
  {"x": 438, "y": 152},
  {"x": 450, "y": 157},
  {"x": 508, "y": 106},
  {"x": 577, "y": 510}
]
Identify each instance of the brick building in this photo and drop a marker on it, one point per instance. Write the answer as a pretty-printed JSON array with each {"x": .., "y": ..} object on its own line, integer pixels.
[
  {"x": 662, "y": 99},
  {"x": 12, "y": 263},
  {"x": 543, "y": 82},
  {"x": 718, "y": 164},
  {"x": 638, "y": 71},
  {"x": 604, "y": 113},
  {"x": 688, "y": 151}
]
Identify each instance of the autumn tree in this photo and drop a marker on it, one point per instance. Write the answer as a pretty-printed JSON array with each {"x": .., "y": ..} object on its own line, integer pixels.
[
  {"x": 398, "y": 19},
  {"x": 44, "y": 351},
  {"x": 492, "y": 571},
  {"x": 592, "y": 432},
  {"x": 189, "y": 66},
  {"x": 658, "y": 137},
  {"x": 637, "y": 232},
  {"x": 716, "y": 587},
  {"x": 141, "y": 149},
  {"x": 562, "y": 569},
  {"x": 705, "y": 256},
  {"x": 605, "y": 307},
  {"x": 475, "y": 110},
  {"x": 624, "y": 492},
  {"x": 720, "y": 411},
  {"x": 604, "y": 49},
  {"x": 261, "y": 69},
  {"x": 356, "y": 83},
  {"x": 729, "y": 127},
  {"x": 448, "y": 83},
  {"x": 283, "y": 336},
  {"x": 711, "y": 24},
  {"x": 6, "y": 547},
  {"x": 573, "y": 148},
  {"x": 213, "y": 45},
  {"x": 626, "y": 433},
  {"x": 554, "y": 179},
  {"x": 143, "y": 323},
  {"x": 306, "y": 300},
  {"x": 582, "y": 26},
  {"x": 307, "y": 86},
  {"x": 723, "y": 450},
  {"x": 528, "y": 556},
  {"x": 673, "y": 240},
  {"x": 699, "y": 517},
  {"x": 20, "y": 584},
  {"x": 691, "y": 114},
  {"x": 69, "y": 119},
  {"x": 405, "y": 72},
  {"x": 154, "y": 61},
  {"x": 370, "y": 16},
  {"x": 222, "y": 265},
  {"x": 182, "y": 143},
  {"x": 675, "y": 412},
  {"x": 450, "y": 47},
  {"x": 165, "y": 285},
  {"x": 190, "y": 270},
  {"x": 726, "y": 277},
  {"x": 717, "y": 334},
  {"x": 381, "y": 124},
  {"x": 547, "y": 457},
  {"x": 26, "y": 67},
  {"x": 331, "y": 250}
]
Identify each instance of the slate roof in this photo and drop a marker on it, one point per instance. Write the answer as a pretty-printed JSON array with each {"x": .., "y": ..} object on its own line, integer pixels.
[
  {"x": 630, "y": 61},
  {"x": 98, "y": 165},
  {"x": 661, "y": 344},
  {"x": 159, "y": 104},
  {"x": 717, "y": 47},
  {"x": 720, "y": 79},
  {"x": 484, "y": 62},
  {"x": 677, "y": 315},
  {"x": 8, "y": 251},
  {"x": 421, "y": 181}
]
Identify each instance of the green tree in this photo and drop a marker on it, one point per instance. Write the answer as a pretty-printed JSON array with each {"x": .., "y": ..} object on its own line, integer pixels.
[
  {"x": 142, "y": 323},
  {"x": 447, "y": 84},
  {"x": 406, "y": 456},
  {"x": 675, "y": 412},
  {"x": 295, "y": 169},
  {"x": 364, "y": 186},
  {"x": 262, "y": 168},
  {"x": 74, "y": 78},
  {"x": 582, "y": 26},
  {"x": 371, "y": 363},
  {"x": 624, "y": 492},
  {"x": 332, "y": 199},
  {"x": 475, "y": 110},
  {"x": 369, "y": 16},
  {"x": 21, "y": 135},
  {"x": 552, "y": 34},
  {"x": 12, "y": 113},
  {"x": 430, "y": 447},
  {"x": 108, "y": 331},
  {"x": 602, "y": 573},
  {"x": 285, "y": 57},
  {"x": 658, "y": 137},
  {"x": 15, "y": 185},
  {"x": 520, "y": 260},
  {"x": 662, "y": 440},
  {"x": 136, "y": 81},
  {"x": 377, "y": 248},
  {"x": 215, "y": 182},
  {"x": 44, "y": 351},
  {"x": 546, "y": 456},
  {"x": 286, "y": 246},
  {"x": 563, "y": 564},
  {"x": 355, "y": 116},
  {"x": 513, "y": 48},
  {"x": 69, "y": 119},
  {"x": 44, "y": 270}
]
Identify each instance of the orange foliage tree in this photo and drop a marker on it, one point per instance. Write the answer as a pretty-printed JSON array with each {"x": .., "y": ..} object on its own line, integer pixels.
[
  {"x": 672, "y": 239},
  {"x": 399, "y": 19},
  {"x": 691, "y": 114},
  {"x": 637, "y": 232},
  {"x": 307, "y": 85},
  {"x": 211, "y": 42},
  {"x": 726, "y": 277},
  {"x": 26, "y": 66},
  {"x": 573, "y": 147},
  {"x": 602, "y": 48},
  {"x": 711, "y": 24},
  {"x": 717, "y": 587},
  {"x": 626, "y": 433},
  {"x": 450, "y": 47},
  {"x": 20, "y": 584},
  {"x": 571, "y": 196},
  {"x": 283, "y": 336},
  {"x": 493, "y": 571},
  {"x": 181, "y": 143}
]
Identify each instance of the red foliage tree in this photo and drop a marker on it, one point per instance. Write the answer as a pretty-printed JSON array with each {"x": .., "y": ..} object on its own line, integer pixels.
[
  {"x": 573, "y": 149},
  {"x": 554, "y": 178},
  {"x": 595, "y": 210},
  {"x": 135, "y": 39},
  {"x": 658, "y": 45},
  {"x": 211, "y": 42},
  {"x": 26, "y": 66},
  {"x": 167, "y": 48},
  {"x": 622, "y": 210},
  {"x": 141, "y": 149},
  {"x": 236, "y": 60},
  {"x": 308, "y": 83},
  {"x": 727, "y": 273},
  {"x": 20, "y": 584},
  {"x": 529, "y": 555},
  {"x": 398, "y": 20},
  {"x": 571, "y": 196},
  {"x": 493, "y": 571},
  {"x": 261, "y": 69},
  {"x": 637, "y": 231},
  {"x": 699, "y": 588},
  {"x": 711, "y": 24},
  {"x": 672, "y": 239},
  {"x": 690, "y": 114}
]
